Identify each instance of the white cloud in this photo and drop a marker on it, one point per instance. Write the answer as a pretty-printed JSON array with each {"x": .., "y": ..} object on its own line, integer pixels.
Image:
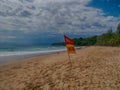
[
  {"x": 4, "y": 37},
  {"x": 58, "y": 16}
]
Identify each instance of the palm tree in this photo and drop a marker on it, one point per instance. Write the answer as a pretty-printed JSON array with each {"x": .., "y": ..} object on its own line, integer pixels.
[{"x": 118, "y": 29}]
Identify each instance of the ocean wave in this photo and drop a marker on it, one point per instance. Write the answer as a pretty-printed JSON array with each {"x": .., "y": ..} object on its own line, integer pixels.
[{"x": 10, "y": 53}]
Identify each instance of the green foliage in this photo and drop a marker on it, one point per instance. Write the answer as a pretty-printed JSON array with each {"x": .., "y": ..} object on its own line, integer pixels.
[
  {"x": 109, "y": 39},
  {"x": 85, "y": 41}
]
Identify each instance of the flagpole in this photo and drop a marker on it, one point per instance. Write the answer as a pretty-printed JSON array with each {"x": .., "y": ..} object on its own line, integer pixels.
[
  {"x": 70, "y": 50},
  {"x": 70, "y": 60}
]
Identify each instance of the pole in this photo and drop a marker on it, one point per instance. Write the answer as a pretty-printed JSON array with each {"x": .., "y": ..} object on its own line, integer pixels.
[
  {"x": 70, "y": 60},
  {"x": 70, "y": 72}
]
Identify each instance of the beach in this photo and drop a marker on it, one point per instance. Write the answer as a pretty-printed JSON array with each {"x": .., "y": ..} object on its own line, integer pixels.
[{"x": 92, "y": 68}]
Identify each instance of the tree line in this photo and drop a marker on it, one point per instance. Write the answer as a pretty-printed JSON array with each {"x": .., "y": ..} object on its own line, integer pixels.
[{"x": 109, "y": 38}]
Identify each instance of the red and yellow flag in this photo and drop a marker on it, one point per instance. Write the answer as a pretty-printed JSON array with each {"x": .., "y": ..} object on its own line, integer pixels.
[{"x": 70, "y": 45}]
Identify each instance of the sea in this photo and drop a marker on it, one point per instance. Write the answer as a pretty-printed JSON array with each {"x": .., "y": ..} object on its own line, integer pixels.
[
  {"x": 15, "y": 53},
  {"x": 11, "y": 51}
]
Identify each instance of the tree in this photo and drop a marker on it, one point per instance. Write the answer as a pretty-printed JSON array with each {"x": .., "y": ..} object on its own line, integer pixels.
[
  {"x": 110, "y": 31},
  {"x": 118, "y": 29}
]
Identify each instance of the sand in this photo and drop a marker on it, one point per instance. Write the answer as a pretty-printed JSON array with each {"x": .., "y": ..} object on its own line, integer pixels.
[{"x": 93, "y": 68}]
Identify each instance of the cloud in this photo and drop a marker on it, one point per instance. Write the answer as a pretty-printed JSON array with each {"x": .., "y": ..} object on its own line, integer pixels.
[
  {"x": 54, "y": 16},
  {"x": 6, "y": 38}
]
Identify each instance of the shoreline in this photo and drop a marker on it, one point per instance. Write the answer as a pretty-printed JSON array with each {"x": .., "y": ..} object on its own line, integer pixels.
[{"x": 18, "y": 58}]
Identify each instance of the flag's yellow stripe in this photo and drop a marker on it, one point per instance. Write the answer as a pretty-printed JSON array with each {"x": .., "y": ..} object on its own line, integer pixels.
[{"x": 69, "y": 45}]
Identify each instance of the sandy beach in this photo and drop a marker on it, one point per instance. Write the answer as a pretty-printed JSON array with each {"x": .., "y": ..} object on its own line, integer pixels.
[{"x": 93, "y": 68}]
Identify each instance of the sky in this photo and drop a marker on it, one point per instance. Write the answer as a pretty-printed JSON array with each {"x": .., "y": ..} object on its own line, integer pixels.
[{"x": 38, "y": 22}]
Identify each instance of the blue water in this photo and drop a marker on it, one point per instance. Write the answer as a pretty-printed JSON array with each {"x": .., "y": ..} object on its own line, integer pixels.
[{"x": 14, "y": 50}]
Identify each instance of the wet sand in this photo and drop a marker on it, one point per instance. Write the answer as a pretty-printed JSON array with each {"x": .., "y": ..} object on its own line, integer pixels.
[{"x": 15, "y": 58}]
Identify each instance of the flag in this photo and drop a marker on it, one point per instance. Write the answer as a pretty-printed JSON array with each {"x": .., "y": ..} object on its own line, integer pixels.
[{"x": 69, "y": 45}]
